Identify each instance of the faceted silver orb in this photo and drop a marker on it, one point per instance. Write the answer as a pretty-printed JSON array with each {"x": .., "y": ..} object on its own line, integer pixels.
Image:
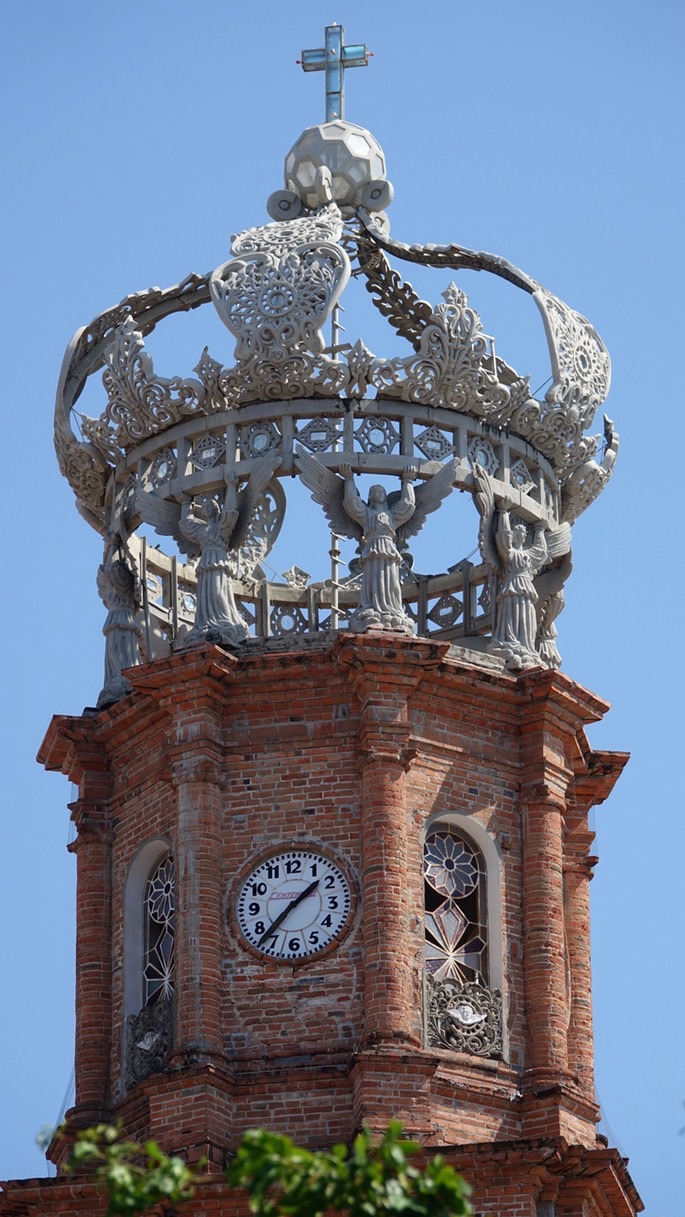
[{"x": 350, "y": 155}]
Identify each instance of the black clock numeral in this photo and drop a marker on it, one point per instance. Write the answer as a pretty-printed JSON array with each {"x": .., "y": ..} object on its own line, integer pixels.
[{"x": 267, "y": 928}]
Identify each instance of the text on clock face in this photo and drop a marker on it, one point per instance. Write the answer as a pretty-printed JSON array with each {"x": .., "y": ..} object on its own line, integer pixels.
[{"x": 293, "y": 904}]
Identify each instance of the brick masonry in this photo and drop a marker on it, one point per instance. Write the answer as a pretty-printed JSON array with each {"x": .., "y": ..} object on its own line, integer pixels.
[{"x": 350, "y": 745}]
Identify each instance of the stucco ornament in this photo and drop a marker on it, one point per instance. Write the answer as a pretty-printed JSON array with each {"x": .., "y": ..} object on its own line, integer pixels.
[
  {"x": 275, "y": 298},
  {"x": 305, "y": 392},
  {"x": 382, "y": 525},
  {"x": 464, "y": 1017},
  {"x": 589, "y": 479},
  {"x": 581, "y": 368},
  {"x": 138, "y": 402},
  {"x": 117, "y": 583},
  {"x": 516, "y": 563},
  {"x": 214, "y": 531},
  {"x": 455, "y": 366},
  {"x": 149, "y": 1037}
]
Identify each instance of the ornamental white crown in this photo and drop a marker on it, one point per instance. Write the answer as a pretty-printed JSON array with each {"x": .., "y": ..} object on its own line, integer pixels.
[{"x": 201, "y": 458}]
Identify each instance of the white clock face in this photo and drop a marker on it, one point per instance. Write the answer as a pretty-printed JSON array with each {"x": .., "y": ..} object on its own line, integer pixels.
[{"x": 293, "y": 905}]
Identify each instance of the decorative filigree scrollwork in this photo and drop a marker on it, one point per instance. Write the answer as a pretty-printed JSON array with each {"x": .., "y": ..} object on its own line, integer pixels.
[
  {"x": 433, "y": 444},
  {"x": 319, "y": 434},
  {"x": 287, "y": 621},
  {"x": 519, "y": 476},
  {"x": 259, "y": 438},
  {"x": 455, "y": 366},
  {"x": 208, "y": 451},
  {"x": 378, "y": 435},
  {"x": 163, "y": 468},
  {"x": 580, "y": 362},
  {"x": 86, "y": 471},
  {"x": 446, "y": 612},
  {"x": 581, "y": 368},
  {"x": 275, "y": 297},
  {"x": 149, "y": 1036},
  {"x": 588, "y": 479},
  {"x": 322, "y": 227},
  {"x": 394, "y": 299},
  {"x": 296, "y": 577},
  {"x": 140, "y": 404},
  {"x": 463, "y": 1017},
  {"x": 482, "y": 453}
]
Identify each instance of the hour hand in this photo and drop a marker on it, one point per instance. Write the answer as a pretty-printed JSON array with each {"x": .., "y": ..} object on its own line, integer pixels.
[{"x": 307, "y": 891}]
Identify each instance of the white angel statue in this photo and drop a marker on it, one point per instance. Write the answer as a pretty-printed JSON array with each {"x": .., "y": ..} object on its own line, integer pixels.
[
  {"x": 117, "y": 582},
  {"x": 381, "y": 525},
  {"x": 516, "y": 564},
  {"x": 220, "y": 530},
  {"x": 216, "y": 616}
]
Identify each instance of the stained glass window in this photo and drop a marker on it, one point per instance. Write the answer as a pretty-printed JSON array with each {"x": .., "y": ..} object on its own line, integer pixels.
[
  {"x": 456, "y": 943},
  {"x": 160, "y": 912}
]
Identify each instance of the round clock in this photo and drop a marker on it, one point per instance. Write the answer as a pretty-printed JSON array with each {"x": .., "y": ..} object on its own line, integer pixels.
[{"x": 294, "y": 904}]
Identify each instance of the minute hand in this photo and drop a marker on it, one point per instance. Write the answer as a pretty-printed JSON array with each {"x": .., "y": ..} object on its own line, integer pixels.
[{"x": 288, "y": 908}]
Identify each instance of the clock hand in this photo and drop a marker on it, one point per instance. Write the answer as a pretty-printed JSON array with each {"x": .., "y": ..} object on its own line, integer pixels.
[{"x": 307, "y": 891}]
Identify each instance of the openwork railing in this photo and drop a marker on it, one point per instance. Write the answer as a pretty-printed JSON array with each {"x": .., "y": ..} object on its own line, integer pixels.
[{"x": 454, "y": 605}]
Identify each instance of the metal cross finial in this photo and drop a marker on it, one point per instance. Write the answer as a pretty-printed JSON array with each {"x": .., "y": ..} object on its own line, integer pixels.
[{"x": 334, "y": 59}]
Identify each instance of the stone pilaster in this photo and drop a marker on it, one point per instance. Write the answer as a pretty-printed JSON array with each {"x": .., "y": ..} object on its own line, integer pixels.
[
  {"x": 190, "y": 1106},
  {"x": 198, "y": 778},
  {"x": 93, "y": 849},
  {"x": 385, "y": 672},
  {"x": 546, "y": 997}
]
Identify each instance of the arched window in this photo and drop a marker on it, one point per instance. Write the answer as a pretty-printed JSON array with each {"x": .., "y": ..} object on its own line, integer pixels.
[
  {"x": 456, "y": 947},
  {"x": 463, "y": 1012},
  {"x": 159, "y": 917},
  {"x": 149, "y": 924}
]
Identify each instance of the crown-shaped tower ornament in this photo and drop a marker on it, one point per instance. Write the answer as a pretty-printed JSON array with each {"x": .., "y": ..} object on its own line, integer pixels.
[{"x": 201, "y": 458}]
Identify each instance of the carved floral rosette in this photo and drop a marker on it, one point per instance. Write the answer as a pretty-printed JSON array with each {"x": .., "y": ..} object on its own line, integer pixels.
[
  {"x": 463, "y": 1017},
  {"x": 149, "y": 1037}
]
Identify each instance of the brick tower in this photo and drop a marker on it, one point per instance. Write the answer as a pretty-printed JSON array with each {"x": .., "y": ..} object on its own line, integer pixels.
[{"x": 333, "y": 856}]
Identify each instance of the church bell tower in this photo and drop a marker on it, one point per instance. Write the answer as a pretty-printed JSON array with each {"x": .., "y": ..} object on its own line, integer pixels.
[{"x": 332, "y": 838}]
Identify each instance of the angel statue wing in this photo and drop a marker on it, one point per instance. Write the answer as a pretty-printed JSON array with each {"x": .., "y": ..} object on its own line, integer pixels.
[
  {"x": 249, "y": 498},
  {"x": 485, "y": 502},
  {"x": 164, "y": 516},
  {"x": 118, "y": 573},
  {"x": 328, "y": 490},
  {"x": 429, "y": 495}
]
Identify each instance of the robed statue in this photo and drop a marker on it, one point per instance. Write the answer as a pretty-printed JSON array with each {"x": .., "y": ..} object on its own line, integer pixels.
[
  {"x": 214, "y": 531},
  {"x": 526, "y": 604},
  {"x": 382, "y": 525},
  {"x": 117, "y": 582}
]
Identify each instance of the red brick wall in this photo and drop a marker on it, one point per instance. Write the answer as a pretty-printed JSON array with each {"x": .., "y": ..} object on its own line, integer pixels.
[{"x": 351, "y": 745}]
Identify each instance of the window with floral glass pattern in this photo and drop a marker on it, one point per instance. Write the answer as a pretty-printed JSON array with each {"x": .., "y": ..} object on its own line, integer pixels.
[
  {"x": 456, "y": 942},
  {"x": 160, "y": 912}
]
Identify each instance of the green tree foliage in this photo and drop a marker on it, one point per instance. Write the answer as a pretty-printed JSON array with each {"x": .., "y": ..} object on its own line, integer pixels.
[
  {"x": 135, "y": 1177},
  {"x": 365, "y": 1179}
]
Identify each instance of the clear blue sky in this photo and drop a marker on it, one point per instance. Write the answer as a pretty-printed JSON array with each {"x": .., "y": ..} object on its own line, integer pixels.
[{"x": 137, "y": 137}]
